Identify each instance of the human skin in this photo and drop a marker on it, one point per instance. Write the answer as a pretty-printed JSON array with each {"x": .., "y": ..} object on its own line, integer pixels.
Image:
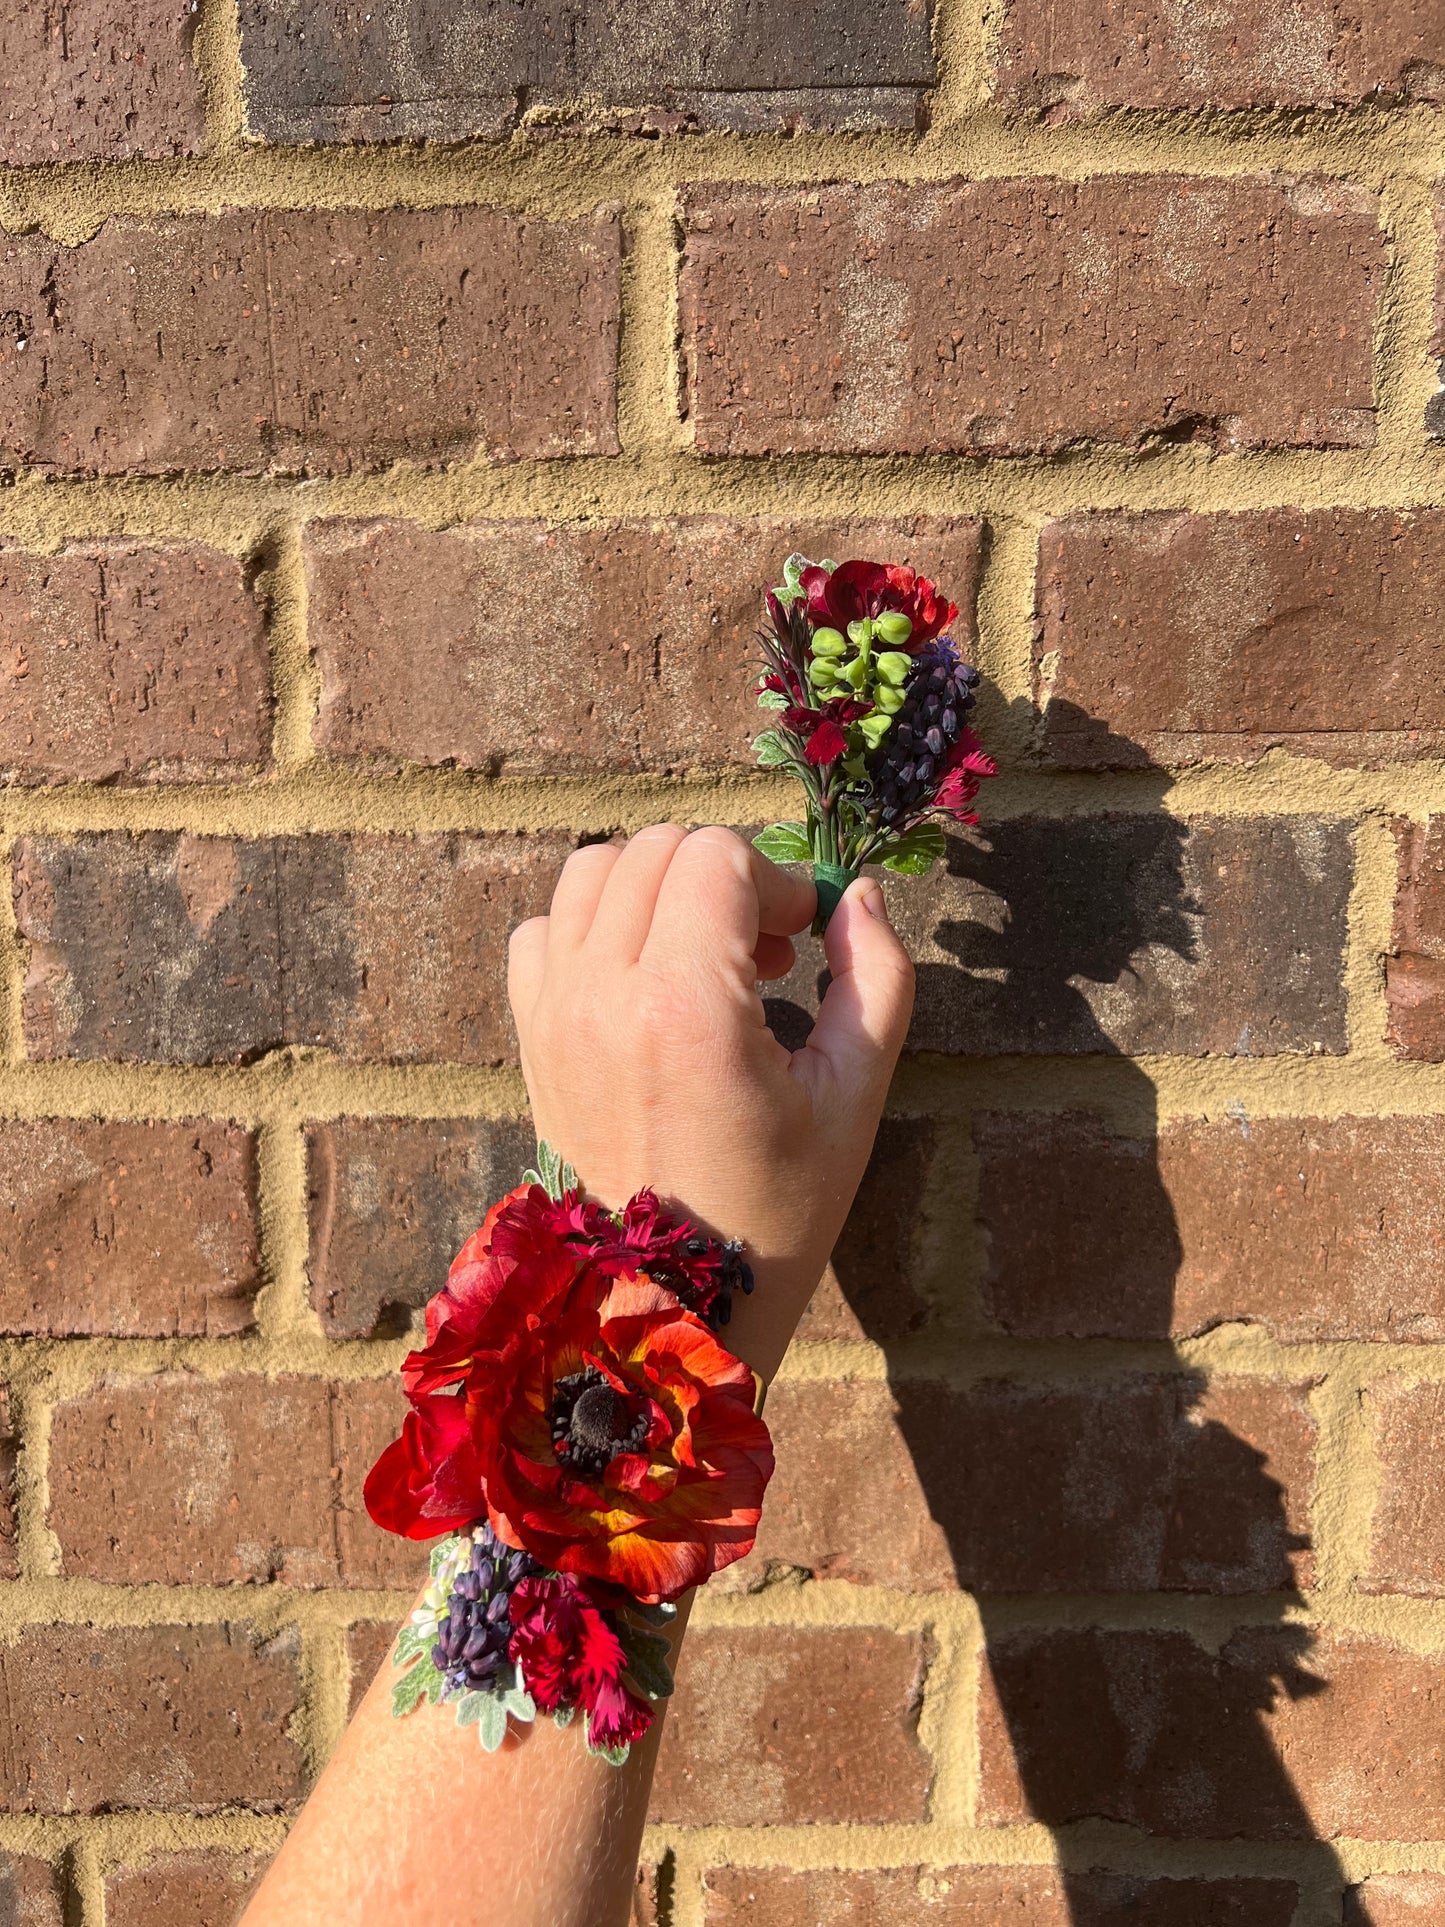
[{"x": 648, "y": 1061}]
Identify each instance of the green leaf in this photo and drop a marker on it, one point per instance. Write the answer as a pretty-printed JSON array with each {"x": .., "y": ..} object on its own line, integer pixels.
[
  {"x": 491, "y": 1722},
  {"x": 772, "y": 699},
  {"x": 614, "y": 1755},
  {"x": 553, "y": 1173},
  {"x": 785, "y": 843},
  {"x": 411, "y": 1643},
  {"x": 471, "y": 1707},
  {"x": 772, "y": 751},
  {"x": 412, "y": 1688},
  {"x": 913, "y": 855},
  {"x": 441, "y": 1552},
  {"x": 520, "y": 1704},
  {"x": 564, "y": 1716},
  {"x": 647, "y": 1657}
]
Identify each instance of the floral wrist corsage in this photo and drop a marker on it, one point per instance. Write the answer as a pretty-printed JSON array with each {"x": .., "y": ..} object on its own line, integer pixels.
[{"x": 589, "y": 1445}]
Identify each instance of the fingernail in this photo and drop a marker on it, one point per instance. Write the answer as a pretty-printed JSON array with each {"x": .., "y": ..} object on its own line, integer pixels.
[{"x": 875, "y": 903}]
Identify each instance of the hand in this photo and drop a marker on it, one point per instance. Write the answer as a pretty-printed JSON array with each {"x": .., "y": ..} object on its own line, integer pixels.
[{"x": 648, "y": 1059}]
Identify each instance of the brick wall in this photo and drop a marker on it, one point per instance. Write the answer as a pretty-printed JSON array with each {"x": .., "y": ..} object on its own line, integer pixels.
[{"x": 399, "y": 408}]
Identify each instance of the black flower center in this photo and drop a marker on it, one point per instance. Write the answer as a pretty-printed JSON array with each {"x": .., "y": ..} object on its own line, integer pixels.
[{"x": 592, "y": 1422}]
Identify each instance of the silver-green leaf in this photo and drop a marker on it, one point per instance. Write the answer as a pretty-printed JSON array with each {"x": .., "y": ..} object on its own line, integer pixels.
[
  {"x": 647, "y": 1657},
  {"x": 492, "y": 1724},
  {"x": 913, "y": 855},
  {"x": 412, "y": 1688},
  {"x": 411, "y": 1643},
  {"x": 784, "y": 843},
  {"x": 772, "y": 752},
  {"x": 552, "y": 1172},
  {"x": 519, "y": 1704}
]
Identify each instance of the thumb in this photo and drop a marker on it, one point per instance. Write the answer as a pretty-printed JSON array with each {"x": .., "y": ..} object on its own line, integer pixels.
[{"x": 864, "y": 1018}]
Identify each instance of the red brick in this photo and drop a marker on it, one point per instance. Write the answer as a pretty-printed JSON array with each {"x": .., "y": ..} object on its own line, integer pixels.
[
  {"x": 317, "y": 339},
  {"x": 1415, "y": 967},
  {"x": 190, "y": 949},
  {"x": 188, "y": 1719},
  {"x": 125, "y": 663},
  {"x": 30, "y": 1892},
  {"x": 987, "y": 1896},
  {"x": 1397, "y": 1900},
  {"x": 323, "y": 71},
  {"x": 99, "y": 80},
  {"x": 771, "y": 1726},
  {"x": 1317, "y": 1229},
  {"x": 128, "y": 1230},
  {"x": 176, "y": 1481},
  {"x": 1270, "y": 1738},
  {"x": 391, "y": 1201},
  {"x": 1071, "y": 57},
  {"x": 1181, "y": 639},
  {"x": 1000, "y": 1487},
  {"x": 417, "y": 667},
  {"x": 1407, "y": 1541},
  {"x": 1126, "y": 934},
  {"x": 871, "y": 1287},
  {"x": 205, "y": 1888},
  {"x": 368, "y": 1643},
  {"x": 1019, "y": 316}
]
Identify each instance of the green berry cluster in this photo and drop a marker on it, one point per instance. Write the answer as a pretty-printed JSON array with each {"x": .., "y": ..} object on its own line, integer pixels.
[{"x": 869, "y": 663}]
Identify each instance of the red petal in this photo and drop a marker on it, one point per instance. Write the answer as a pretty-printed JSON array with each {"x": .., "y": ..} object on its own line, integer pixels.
[
  {"x": 827, "y": 743},
  {"x": 400, "y": 1487}
]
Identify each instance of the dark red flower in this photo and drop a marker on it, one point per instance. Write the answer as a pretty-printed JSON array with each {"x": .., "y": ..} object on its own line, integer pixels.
[
  {"x": 858, "y": 589},
  {"x": 784, "y": 682},
  {"x": 598, "y": 1424},
  {"x": 822, "y": 729},
  {"x": 570, "y": 1655},
  {"x": 968, "y": 764}
]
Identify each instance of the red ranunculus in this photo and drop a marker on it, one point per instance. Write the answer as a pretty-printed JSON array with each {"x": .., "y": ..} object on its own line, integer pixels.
[
  {"x": 858, "y": 589},
  {"x": 597, "y": 1424},
  {"x": 569, "y": 1655}
]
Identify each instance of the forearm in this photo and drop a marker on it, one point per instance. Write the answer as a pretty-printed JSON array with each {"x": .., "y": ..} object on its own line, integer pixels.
[{"x": 411, "y": 1815}]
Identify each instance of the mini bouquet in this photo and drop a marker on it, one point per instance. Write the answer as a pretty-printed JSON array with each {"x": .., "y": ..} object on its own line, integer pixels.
[{"x": 872, "y": 698}]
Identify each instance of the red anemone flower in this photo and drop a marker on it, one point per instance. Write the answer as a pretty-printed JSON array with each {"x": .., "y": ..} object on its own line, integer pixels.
[
  {"x": 596, "y": 1423},
  {"x": 858, "y": 589}
]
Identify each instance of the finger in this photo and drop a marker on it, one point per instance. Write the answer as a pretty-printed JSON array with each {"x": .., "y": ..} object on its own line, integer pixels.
[
  {"x": 623, "y": 915},
  {"x": 864, "y": 1018},
  {"x": 579, "y": 889},
  {"x": 526, "y": 963},
  {"x": 774, "y": 957},
  {"x": 720, "y": 894}
]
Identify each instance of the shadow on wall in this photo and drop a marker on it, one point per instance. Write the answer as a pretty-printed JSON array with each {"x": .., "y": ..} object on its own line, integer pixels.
[{"x": 1129, "y": 1486}]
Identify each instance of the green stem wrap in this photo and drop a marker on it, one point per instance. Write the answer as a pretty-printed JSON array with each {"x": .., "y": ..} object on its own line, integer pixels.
[{"x": 831, "y": 880}]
